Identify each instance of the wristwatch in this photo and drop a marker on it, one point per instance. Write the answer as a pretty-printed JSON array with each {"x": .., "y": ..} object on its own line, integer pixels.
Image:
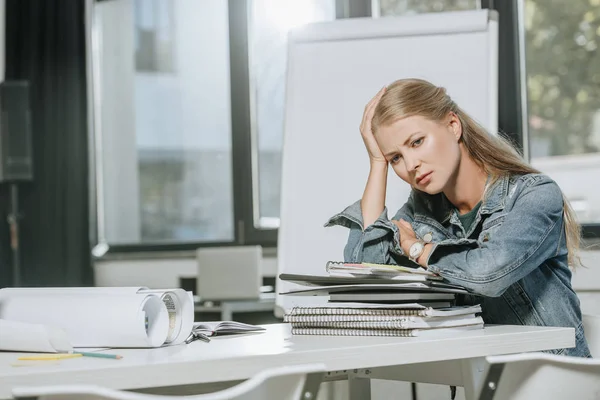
[{"x": 415, "y": 250}]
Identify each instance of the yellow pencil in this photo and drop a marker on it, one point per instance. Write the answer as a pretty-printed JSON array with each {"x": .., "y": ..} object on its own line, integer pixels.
[{"x": 50, "y": 357}]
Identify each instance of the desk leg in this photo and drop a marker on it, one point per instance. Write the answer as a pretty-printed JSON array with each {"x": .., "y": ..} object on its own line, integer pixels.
[
  {"x": 472, "y": 374},
  {"x": 359, "y": 388}
]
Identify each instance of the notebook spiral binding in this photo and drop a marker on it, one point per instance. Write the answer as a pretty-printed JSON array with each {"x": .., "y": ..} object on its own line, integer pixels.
[
  {"x": 353, "y": 332},
  {"x": 357, "y": 311}
]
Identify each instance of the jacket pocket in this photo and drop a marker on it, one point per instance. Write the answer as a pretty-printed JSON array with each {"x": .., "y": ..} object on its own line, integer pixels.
[{"x": 489, "y": 226}]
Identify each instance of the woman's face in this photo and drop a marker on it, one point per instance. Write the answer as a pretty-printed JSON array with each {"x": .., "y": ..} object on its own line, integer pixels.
[{"x": 424, "y": 153}]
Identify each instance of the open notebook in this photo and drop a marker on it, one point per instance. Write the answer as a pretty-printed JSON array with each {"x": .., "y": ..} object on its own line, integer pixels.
[
  {"x": 214, "y": 328},
  {"x": 398, "y": 272}
]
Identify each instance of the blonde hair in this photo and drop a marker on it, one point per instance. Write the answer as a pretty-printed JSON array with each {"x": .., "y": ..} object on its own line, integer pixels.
[{"x": 493, "y": 153}]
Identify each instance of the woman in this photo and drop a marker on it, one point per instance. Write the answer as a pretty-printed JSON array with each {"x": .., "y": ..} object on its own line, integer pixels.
[{"x": 478, "y": 215}]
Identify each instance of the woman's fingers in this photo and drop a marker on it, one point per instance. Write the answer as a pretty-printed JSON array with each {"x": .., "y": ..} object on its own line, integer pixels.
[
  {"x": 365, "y": 128},
  {"x": 372, "y": 104},
  {"x": 405, "y": 227}
]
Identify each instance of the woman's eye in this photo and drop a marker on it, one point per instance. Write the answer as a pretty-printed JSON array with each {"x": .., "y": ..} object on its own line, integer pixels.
[
  {"x": 417, "y": 142},
  {"x": 395, "y": 159}
]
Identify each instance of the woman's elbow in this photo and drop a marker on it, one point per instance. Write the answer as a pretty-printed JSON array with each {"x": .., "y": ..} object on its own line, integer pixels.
[{"x": 479, "y": 285}]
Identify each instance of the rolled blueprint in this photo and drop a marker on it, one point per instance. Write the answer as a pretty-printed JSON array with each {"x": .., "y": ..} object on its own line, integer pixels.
[
  {"x": 93, "y": 319},
  {"x": 178, "y": 305},
  {"x": 22, "y": 336}
]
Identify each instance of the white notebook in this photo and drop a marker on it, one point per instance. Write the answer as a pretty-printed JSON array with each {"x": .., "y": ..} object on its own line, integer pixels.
[
  {"x": 385, "y": 332},
  {"x": 415, "y": 309},
  {"x": 397, "y": 323}
]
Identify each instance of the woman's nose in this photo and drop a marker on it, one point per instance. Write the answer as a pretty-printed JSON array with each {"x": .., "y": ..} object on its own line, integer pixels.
[{"x": 411, "y": 163}]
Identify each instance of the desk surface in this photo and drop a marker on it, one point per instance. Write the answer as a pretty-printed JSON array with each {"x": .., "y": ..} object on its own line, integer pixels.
[{"x": 242, "y": 356}]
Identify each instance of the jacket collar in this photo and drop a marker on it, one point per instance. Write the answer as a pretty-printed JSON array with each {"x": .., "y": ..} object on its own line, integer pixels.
[{"x": 496, "y": 197}]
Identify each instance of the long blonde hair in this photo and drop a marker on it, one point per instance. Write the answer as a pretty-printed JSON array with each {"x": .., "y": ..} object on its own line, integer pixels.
[{"x": 493, "y": 153}]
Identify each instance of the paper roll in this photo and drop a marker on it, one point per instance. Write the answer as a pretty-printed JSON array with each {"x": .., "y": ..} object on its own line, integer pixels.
[
  {"x": 178, "y": 304},
  {"x": 22, "y": 336},
  {"x": 94, "y": 320}
]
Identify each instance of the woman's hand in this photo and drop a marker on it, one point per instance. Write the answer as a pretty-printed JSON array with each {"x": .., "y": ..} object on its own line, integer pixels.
[
  {"x": 408, "y": 237},
  {"x": 375, "y": 154},
  {"x": 407, "y": 234}
]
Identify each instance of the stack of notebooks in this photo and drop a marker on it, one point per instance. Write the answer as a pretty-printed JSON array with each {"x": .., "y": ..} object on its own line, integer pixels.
[{"x": 378, "y": 300}]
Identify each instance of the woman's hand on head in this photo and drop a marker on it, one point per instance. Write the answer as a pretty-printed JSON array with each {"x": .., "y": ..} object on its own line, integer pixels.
[{"x": 375, "y": 154}]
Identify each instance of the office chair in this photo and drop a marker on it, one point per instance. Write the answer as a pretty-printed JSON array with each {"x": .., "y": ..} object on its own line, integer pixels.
[
  {"x": 529, "y": 376},
  {"x": 298, "y": 382}
]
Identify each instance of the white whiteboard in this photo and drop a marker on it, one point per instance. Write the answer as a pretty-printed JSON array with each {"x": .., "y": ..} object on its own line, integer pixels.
[{"x": 334, "y": 68}]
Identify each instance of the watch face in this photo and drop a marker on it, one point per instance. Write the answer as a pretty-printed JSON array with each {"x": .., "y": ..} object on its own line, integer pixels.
[{"x": 416, "y": 249}]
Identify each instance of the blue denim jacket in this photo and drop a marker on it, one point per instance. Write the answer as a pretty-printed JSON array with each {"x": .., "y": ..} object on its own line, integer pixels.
[{"x": 513, "y": 259}]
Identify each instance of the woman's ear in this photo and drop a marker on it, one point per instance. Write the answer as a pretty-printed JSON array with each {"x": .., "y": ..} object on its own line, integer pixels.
[{"x": 455, "y": 125}]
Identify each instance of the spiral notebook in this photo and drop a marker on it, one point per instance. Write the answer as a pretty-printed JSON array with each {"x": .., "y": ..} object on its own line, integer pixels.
[
  {"x": 337, "y": 309},
  {"x": 384, "y": 332},
  {"x": 414, "y": 319},
  {"x": 395, "y": 324}
]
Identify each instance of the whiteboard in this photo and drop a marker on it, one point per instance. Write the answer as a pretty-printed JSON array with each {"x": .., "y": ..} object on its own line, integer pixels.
[{"x": 334, "y": 69}]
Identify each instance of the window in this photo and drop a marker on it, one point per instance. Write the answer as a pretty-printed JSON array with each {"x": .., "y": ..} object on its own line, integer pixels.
[
  {"x": 563, "y": 82},
  {"x": 188, "y": 113},
  {"x": 163, "y": 136},
  {"x": 270, "y": 22}
]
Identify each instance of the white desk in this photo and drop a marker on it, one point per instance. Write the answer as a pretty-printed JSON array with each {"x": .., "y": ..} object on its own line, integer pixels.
[{"x": 240, "y": 357}]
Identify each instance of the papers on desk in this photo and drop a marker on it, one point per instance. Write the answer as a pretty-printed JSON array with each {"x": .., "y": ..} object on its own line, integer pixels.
[
  {"x": 338, "y": 268},
  {"x": 97, "y": 317},
  {"x": 378, "y": 300}
]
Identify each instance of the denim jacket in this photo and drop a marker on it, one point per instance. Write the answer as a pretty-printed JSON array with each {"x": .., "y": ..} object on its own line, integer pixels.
[{"x": 513, "y": 259}]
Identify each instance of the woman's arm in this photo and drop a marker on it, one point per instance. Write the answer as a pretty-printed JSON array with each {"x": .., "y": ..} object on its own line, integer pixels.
[
  {"x": 373, "y": 200},
  {"x": 373, "y": 237},
  {"x": 379, "y": 242},
  {"x": 530, "y": 233}
]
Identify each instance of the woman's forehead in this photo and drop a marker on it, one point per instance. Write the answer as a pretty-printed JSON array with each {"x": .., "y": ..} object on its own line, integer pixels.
[{"x": 405, "y": 127}]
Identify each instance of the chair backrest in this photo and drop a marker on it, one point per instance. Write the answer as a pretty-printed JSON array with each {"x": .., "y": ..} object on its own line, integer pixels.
[
  {"x": 591, "y": 326},
  {"x": 229, "y": 273},
  {"x": 299, "y": 382},
  {"x": 540, "y": 376}
]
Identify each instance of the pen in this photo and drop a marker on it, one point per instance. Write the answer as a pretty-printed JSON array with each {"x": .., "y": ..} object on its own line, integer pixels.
[
  {"x": 51, "y": 356},
  {"x": 100, "y": 355}
]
